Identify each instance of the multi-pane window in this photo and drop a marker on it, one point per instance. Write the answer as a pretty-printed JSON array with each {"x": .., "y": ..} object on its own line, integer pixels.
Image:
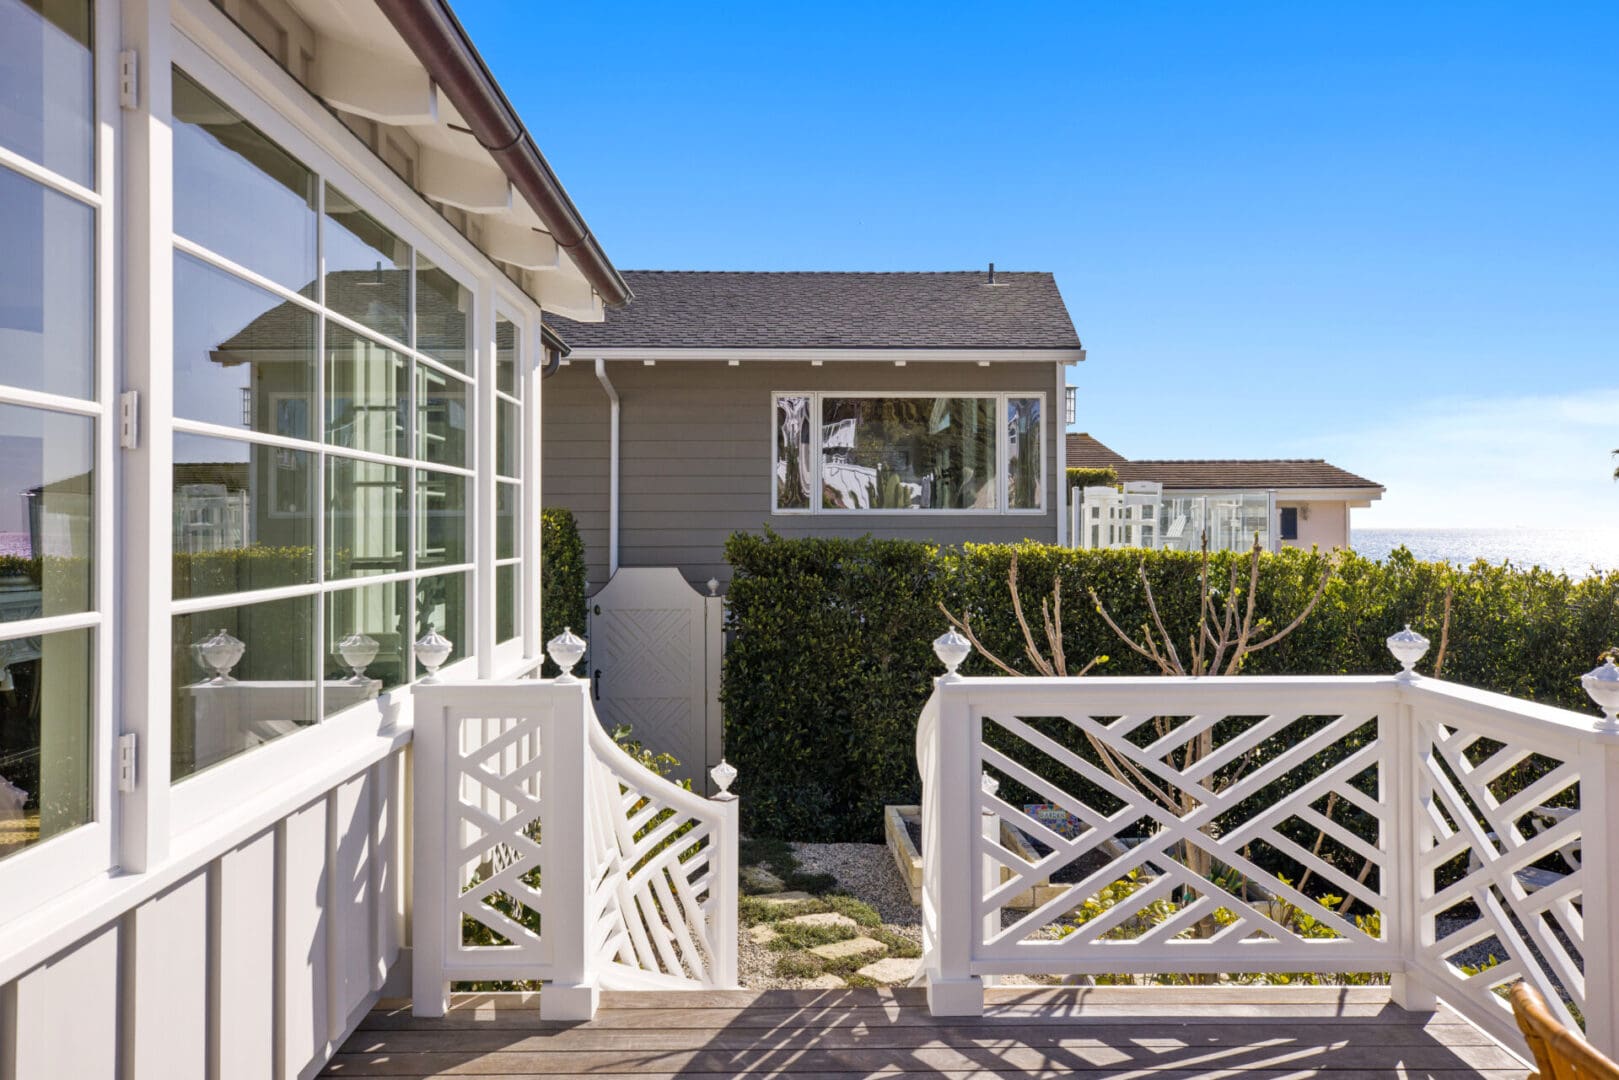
[
  {"x": 323, "y": 486},
  {"x": 508, "y": 476},
  {"x": 52, "y": 420},
  {"x": 864, "y": 453}
]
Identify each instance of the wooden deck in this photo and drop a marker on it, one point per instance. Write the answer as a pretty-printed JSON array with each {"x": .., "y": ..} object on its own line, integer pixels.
[{"x": 1159, "y": 1033}]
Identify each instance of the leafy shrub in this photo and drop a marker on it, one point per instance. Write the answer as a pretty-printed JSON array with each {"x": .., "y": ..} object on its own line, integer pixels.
[
  {"x": 562, "y": 578},
  {"x": 1097, "y": 476},
  {"x": 832, "y": 655}
]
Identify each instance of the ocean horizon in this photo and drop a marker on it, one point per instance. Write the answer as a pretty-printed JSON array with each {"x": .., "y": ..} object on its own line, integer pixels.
[{"x": 1575, "y": 552}]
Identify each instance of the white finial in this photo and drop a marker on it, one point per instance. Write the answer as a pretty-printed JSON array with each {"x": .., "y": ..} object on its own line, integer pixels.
[
  {"x": 951, "y": 649},
  {"x": 1602, "y": 683},
  {"x": 1408, "y": 647},
  {"x": 723, "y": 775},
  {"x": 219, "y": 653},
  {"x": 432, "y": 649},
  {"x": 713, "y": 586},
  {"x": 566, "y": 649},
  {"x": 357, "y": 651}
]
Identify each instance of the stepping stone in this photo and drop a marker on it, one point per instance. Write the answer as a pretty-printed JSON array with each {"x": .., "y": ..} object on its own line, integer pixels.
[
  {"x": 892, "y": 969},
  {"x": 824, "y": 918},
  {"x": 761, "y": 880},
  {"x": 823, "y": 982},
  {"x": 761, "y": 934},
  {"x": 785, "y": 898},
  {"x": 842, "y": 950}
]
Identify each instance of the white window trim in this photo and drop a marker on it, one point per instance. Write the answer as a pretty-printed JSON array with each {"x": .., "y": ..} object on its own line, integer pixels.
[{"x": 1002, "y": 446}]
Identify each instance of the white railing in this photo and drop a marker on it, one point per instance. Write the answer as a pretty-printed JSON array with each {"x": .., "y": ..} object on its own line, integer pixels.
[
  {"x": 1274, "y": 825},
  {"x": 544, "y": 852}
]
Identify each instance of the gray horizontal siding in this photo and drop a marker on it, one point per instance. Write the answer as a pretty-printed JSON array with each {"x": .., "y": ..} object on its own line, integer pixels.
[{"x": 696, "y": 445}]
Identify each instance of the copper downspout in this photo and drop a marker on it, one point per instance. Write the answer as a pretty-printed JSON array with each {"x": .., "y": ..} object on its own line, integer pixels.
[{"x": 433, "y": 33}]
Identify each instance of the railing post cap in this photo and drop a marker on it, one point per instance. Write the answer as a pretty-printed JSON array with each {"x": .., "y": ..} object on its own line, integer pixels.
[
  {"x": 1408, "y": 647},
  {"x": 1602, "y": 684},
  {"x": 952, "y": 649},
  {"x": 565, "y": 650}
]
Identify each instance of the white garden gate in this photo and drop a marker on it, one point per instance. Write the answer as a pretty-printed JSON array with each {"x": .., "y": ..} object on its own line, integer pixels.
[{"x": 654, "y": 665}]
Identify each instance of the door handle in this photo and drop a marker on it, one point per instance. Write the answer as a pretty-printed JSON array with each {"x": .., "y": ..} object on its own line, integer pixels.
[{"x": 596, "y": 683}]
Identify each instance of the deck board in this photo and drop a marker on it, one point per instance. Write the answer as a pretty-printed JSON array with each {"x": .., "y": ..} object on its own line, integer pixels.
[{"x": 1161, "y": 1033}]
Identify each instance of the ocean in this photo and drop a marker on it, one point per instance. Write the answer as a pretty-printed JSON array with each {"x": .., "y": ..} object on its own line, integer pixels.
[{"x": 1575, "y": 552}]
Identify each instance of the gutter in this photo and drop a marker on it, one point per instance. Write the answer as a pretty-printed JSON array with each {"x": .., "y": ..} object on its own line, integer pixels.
[
  {"x": 555, "y": 350},
  {"x": 612, "y": 468},
  {"x": 433, "y": 33}
]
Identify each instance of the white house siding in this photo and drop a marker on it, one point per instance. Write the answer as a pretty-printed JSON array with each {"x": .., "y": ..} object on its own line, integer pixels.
[
  {"x": 696, "y": 451},
  {"x": 1322, "y": 523}
]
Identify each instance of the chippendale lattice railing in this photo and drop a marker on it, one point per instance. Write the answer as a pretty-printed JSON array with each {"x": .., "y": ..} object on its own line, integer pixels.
[
  {"x": 545, "y": 852},
  {"x": 1323, "y": 829}
]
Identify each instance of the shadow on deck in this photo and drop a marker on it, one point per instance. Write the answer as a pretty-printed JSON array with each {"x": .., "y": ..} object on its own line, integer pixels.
[{"x": 1158, "y": 1032}]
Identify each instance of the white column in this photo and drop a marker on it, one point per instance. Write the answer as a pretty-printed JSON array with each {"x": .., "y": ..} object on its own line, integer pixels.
[
  {"x": 530, "y": 360},
  {"x": 1599, "y": 862},
  {"x": 571, "y": 993},
  {"x": 725, "y": 872},
  {"x": 954, "y": 990},
  {"x": 483, "y": 485},
  {"x": 146, "y": 524},
  {"x": 1059, "y": 424},
  {"x": 432, "y": 879},
  {"x": 1402, "y": 790}
]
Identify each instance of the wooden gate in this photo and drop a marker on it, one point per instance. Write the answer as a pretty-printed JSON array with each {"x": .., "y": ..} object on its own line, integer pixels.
[{"x": 655, "y": 646}]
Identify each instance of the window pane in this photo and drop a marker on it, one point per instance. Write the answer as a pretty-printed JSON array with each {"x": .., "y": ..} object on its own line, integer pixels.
[
  {"x": 506, "y": 602},
  {"x": 244, "y": 516},
  {"x": 441, "y": 519},
  {"x": 508, "y": 347},
  {"x": 441, "y": 417},
  {"x": 46, "y": 736},
  {"x": 508, "y": 439},
  {"x": 238, "y": 193},
  {"x": 46, "y": 534},
  {"x": 242, "y": 356},
  {"x": 508, "y": 497},
  {"x": 441, "y": 603},
  {"x": 242, "y": 677},
  {"x": 47, "y": 85},
  {"x": 47, "y": 287},
  {"x": 908, "y": 453},
  {"x": 367, "y": 269},
  {"x": 443, "y": 315},
  {"x": 366, "y": 401},
  {"x": 380, "y": 613},
  {"x": 1023, "y": 465},
  {"x": 366, "y": 518},
  {"x": 792, "y": 453}
]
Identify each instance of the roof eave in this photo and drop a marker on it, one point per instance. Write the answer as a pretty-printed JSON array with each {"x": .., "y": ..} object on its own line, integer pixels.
[{"x": 784, "y": 354}]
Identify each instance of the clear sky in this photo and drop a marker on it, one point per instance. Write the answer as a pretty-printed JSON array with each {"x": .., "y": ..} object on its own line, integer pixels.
[{"x": 1384, "y": 234}]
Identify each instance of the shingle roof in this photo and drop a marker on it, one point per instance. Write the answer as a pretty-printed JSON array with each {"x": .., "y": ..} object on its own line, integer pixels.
[
  {"x": 1254, "y": 474},
  {"x": 694, "y": 309}
]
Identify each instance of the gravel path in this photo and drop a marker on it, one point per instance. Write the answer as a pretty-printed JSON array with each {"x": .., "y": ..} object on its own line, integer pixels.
[{"x": 866, "y": 872}]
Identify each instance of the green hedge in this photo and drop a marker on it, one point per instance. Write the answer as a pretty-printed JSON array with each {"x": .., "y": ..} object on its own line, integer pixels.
[
  {"x": 562, "y": 578},
  {"x": 832, "y": 655},
  {"x": 1103, "y": 476}
]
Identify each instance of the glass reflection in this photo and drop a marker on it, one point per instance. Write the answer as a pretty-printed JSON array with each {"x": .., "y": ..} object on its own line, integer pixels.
[
  {"x": 506, "y": 602},
  {"x": 1023, "y": 488},
  {"x": 792, "y": 453},
  {"x": 46, "y": 736},
  {"x": 242, "y": 356},
  {"x": 366, "y": 399},
  {"x": 508, "y": 439},
  {"x": 242, "y": 677},
  {"x": 441, "y": 604},
  {"x": 367, "y": 269},
  {"x": 47, "y": 286},
  {"x": 908, "y": 453},
  {"x": 441, "y": 417},
  {"x": 443, "y": 315},
  {"x": 374, "y": 621},
  {"x": 46, "y": 531},
  {"x": 238, "y": 193},
  {"x": 508, "y": 497},
  {"x": 441, "y": 519},
  {"x": 508, "y": 346},
  {"x": 367, "y": 516},
  {"x": 47, "y": 85},
  {"x": 244, "y": 516}
]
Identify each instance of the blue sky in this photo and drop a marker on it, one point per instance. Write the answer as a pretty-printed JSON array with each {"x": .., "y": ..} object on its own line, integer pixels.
[{"x": 1387, "y": 234}]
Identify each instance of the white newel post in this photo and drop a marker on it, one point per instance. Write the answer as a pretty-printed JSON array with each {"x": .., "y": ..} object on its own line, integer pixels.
[
  {"x": 1410, "y": 742},
  {"x": 953, "y": 990},
  {"x": 572, "y": 992},
  {"x": 726, "y": 872},
  {"x": 430, "y": 857},
  {"x": 1599, "y": 860}
]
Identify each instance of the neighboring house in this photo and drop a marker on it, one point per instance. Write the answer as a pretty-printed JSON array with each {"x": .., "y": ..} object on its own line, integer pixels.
[
  {"x": 1169, "y": 504},
  {"x": 915, "y": 405}
]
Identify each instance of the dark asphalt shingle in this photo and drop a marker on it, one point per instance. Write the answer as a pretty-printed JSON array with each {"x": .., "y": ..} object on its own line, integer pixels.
[{"x": 1256, "y": 474}]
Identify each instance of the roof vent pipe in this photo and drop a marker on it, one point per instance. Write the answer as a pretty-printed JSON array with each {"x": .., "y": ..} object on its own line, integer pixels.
[{"x": 991, "y": 280}]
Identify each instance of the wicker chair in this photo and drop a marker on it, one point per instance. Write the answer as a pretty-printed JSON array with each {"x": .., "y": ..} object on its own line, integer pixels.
[{"x": 1559, "y": 1053}]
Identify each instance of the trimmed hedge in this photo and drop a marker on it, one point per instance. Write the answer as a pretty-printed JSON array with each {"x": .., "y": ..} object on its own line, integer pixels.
[
  {"x": 562, "y": 578},
  {"x": 832, "y": 654},
  {"x": 1100, "y": 476}
]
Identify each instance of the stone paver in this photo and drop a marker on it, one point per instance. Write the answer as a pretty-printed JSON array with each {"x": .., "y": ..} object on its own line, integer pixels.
[
  {"x": 824, "y": 982},
  {"x": 760, "y": 880},
  {"x": 892, "y": 969},
  {"x": 761, "y": 934},
  {"x": 785, "y": 898},
  {"x": 842, "y": 950},
  {"x": 824, "y": 918}
]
